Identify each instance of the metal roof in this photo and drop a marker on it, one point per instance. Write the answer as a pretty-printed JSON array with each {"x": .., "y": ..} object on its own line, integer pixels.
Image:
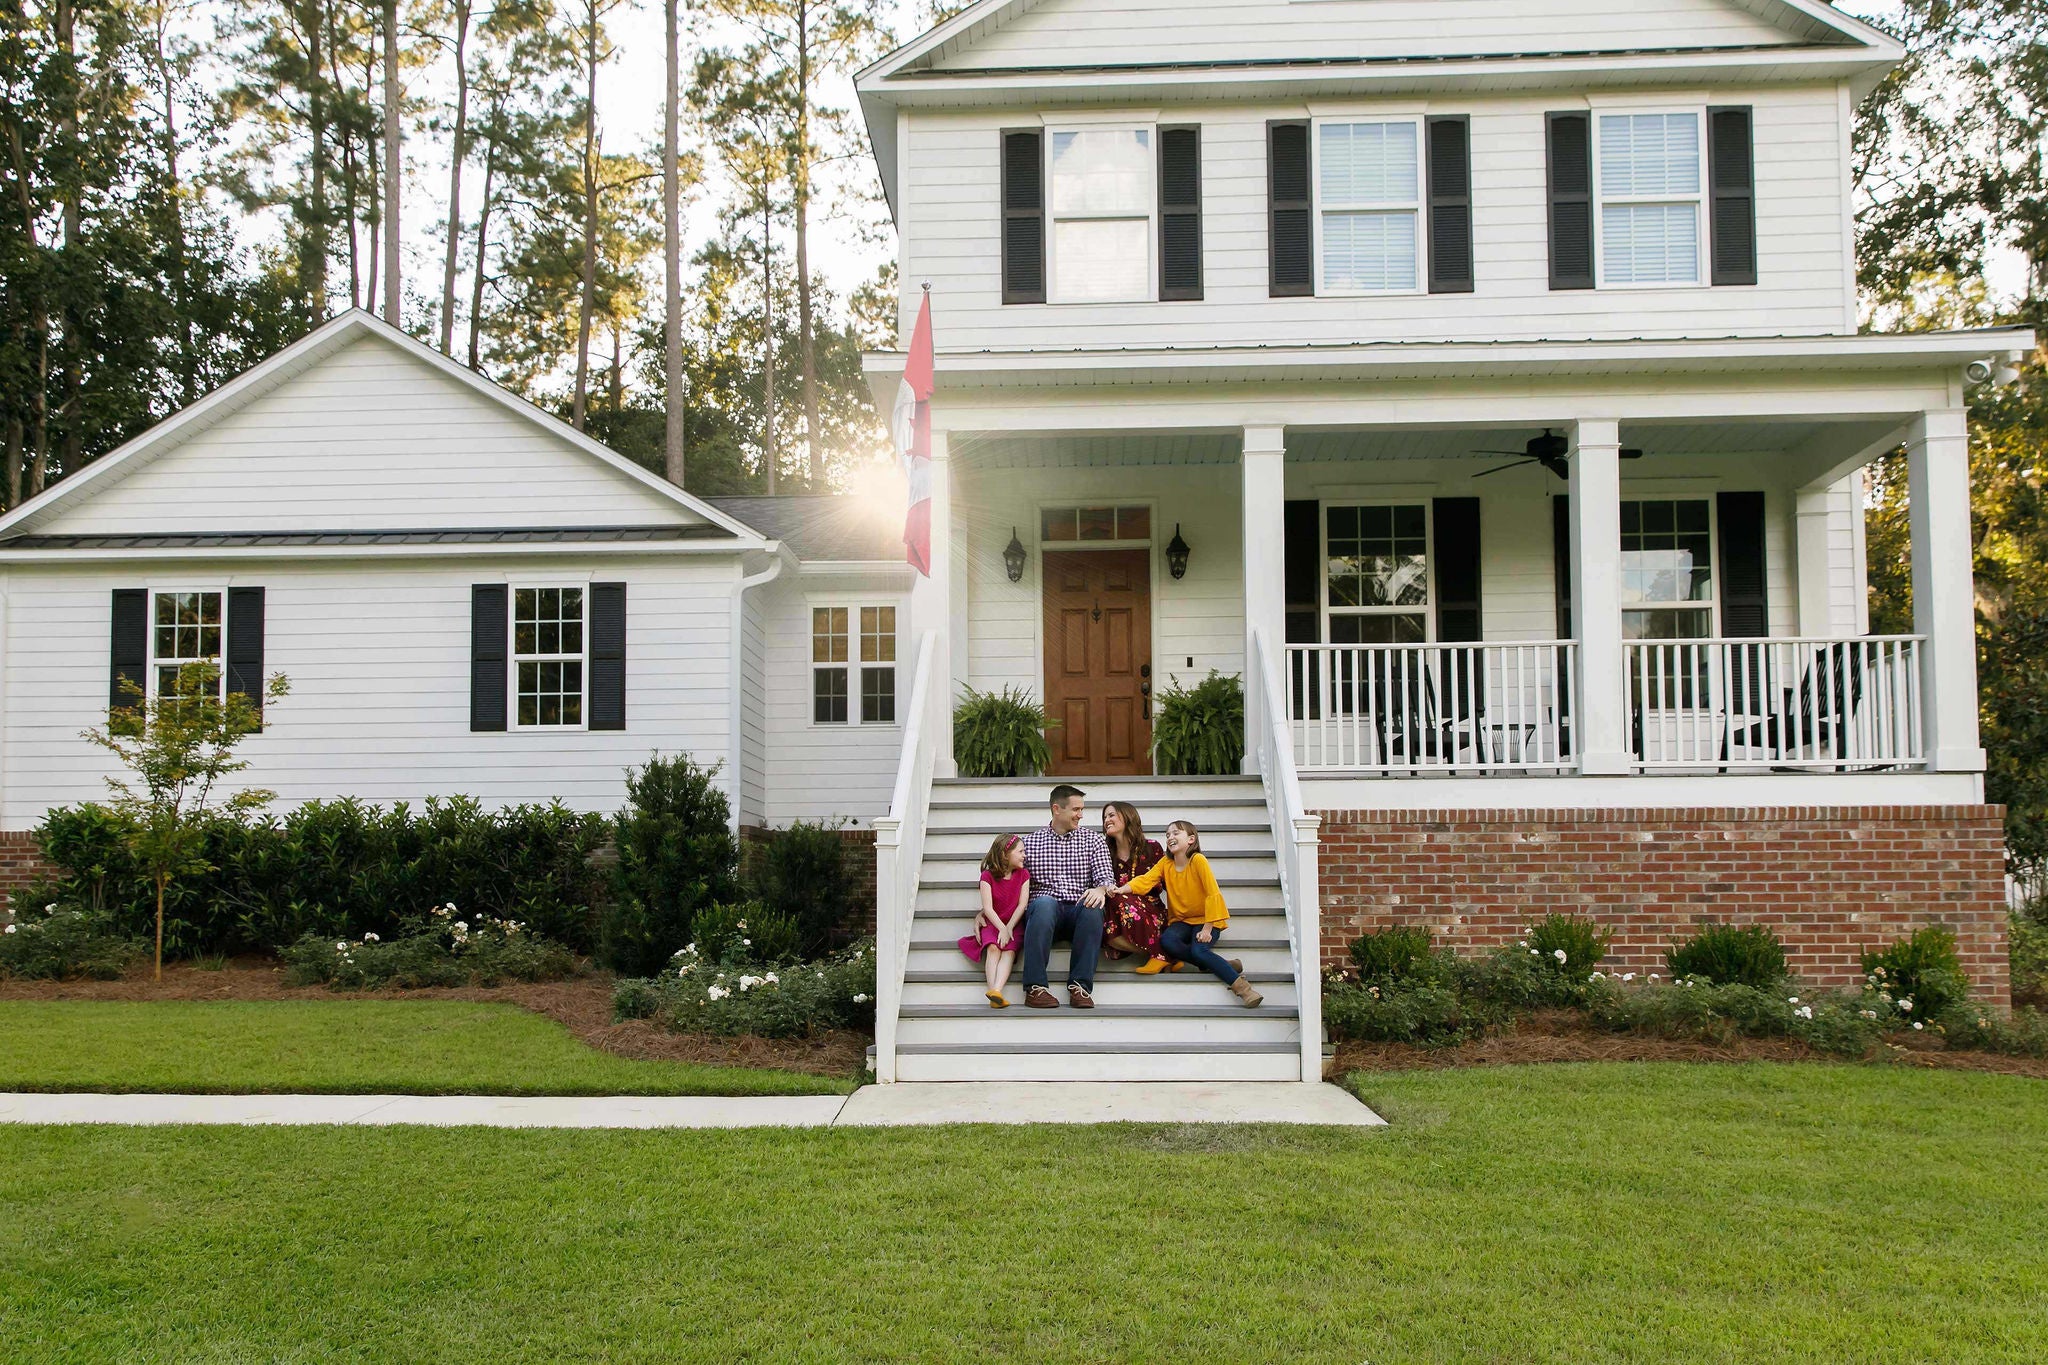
[{"x": 470, "y": 535}]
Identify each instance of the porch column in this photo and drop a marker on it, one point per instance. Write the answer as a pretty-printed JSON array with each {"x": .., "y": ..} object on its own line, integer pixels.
[
  {"x": 1265, "y": 569},
  {"x": 1811, "y": 506},
  {"x": 1601, "y": 717},
  {"x": 933, "y": 606},
  {"x": 1944, "y": 601}
]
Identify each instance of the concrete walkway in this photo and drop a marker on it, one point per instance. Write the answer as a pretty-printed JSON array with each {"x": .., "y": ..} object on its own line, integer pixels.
[{"x": 870, "y": 1106}]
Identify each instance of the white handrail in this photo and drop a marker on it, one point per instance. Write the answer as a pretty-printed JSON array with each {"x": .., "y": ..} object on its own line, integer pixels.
[
  {"x": 899, "y": 854},
  {"x": 1295, "y": 846}
]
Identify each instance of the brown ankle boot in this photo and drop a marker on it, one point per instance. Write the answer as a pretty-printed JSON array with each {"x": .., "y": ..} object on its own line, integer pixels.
[{"x": 1242, "y": 989}]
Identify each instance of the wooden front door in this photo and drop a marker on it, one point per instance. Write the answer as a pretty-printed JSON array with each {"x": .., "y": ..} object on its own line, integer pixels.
[{"x": 1098, "y": 660}]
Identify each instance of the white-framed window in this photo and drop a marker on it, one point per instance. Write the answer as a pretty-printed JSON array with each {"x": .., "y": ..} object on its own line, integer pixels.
[
  {"x": 1377, "y": 582},
  {"x": 1102, "y": 193},
  {"x": 1124, "y": 525},
  {"x": 1667, "y": 569},
  {"x": 1649, "y": 180},
  {"x": 185, "y": 627},
  {"x": 549, "y": 656},
  {"x": 853, "y": 664},
  {"x": 1368, "y": 205}
]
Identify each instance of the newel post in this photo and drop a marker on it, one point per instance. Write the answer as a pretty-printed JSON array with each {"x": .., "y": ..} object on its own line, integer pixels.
[
  {"x": 889, "y": 944},
  {"x": 1309, "y": 898}
]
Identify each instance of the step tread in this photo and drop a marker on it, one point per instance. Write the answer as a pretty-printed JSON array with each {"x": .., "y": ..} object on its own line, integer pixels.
[
  {"x": 1231, "y": 855},
  {"x": 1199, "y": 803},
  {"x": 1082, "y": 1049},
  {"x": 967, "y": 975},
  {"x": 1220, "y": 1010},
  {"x": 1234, "y": 945},
  {"x": 1049, "y": 780},
  {"x": 1208, "y": 828}
]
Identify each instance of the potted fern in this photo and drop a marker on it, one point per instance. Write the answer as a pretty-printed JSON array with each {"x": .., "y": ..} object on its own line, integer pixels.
[
  {"x": 1000, "y": 734},
  {"x": 1200, "y": 729}
]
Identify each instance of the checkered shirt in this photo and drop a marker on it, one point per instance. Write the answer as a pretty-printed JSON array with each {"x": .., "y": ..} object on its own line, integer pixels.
[{"x": 1065, "y": 865}]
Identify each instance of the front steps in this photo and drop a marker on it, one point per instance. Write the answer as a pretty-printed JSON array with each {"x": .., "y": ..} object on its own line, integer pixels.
[{"x": 1177, "y": 1026}]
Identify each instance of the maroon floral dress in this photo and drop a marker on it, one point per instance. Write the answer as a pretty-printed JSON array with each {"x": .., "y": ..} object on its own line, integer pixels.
[{"x": 1134, "y": 918}]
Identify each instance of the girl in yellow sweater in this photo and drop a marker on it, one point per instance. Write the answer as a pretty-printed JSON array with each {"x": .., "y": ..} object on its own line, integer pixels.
[{"x": 1195, "y": 913}]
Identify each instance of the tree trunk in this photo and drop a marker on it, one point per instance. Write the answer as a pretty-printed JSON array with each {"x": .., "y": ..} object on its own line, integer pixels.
[
  {"x": 618, "y": 379},
  {"x": 807, "y": 351},
  {"x": 586, "y": 305},
  {"x": 674, "y": 434},
  {"x": 188, "y": 364},
  {"x": 350, "y": 177},
  {"x": 458, "y": 151},
  {"x": 160, "y": 880},
  {"x": 769, "y": 455},
  {"x": 34, "y": 335},
  {"x": 71, "y": 411},
  {"x": 483, "y": 246},
  {"x": 374, "y": 181},
  {"x": 313, "y": 243},
  {"x": 394, "y": 169}
]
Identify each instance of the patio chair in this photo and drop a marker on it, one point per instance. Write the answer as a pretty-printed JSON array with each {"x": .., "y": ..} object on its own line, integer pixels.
[{"x": 1829, "y": 695}]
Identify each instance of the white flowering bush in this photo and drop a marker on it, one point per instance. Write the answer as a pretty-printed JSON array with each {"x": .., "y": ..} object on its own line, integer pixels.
[
  {"x": 698, "y": 994},
  {"x": 444, "y": 947},
  {"x": 64, "y": 942}
]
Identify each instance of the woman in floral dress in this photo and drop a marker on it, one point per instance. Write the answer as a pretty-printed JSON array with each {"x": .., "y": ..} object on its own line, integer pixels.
[{"x": 1130, "y": 922}]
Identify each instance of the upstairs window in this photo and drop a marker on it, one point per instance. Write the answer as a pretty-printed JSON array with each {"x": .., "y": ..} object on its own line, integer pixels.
[
  {"x": 1103, "y": 184},
  {"x": 1649, "y": 188},
  {"x": 185, "y": 628},
  {"x": 1368, "y": 186}
]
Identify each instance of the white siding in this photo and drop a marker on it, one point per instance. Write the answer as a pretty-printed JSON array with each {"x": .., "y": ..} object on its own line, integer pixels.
[
  {"x": 378, "y": 658},
  {"x": 951, "y": 223},
  {"x": 368, "y": 438},
  {"x": 753, "y": 709},
  {"x": 1063, "y": 32},
  {"x": 823, "y": 772}
]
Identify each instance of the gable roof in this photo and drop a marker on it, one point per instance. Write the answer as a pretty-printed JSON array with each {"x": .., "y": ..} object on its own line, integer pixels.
[
  {"x": 344, "y": 331},
  {"x": 821, "y": 527}
]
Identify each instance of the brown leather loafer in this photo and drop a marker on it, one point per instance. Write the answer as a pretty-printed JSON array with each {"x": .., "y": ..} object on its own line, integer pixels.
[
  {"x": 1078, "y": 997},
  {"x": 1039, "y": 998}
]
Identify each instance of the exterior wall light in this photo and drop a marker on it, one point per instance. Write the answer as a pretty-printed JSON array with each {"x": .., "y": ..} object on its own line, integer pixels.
[
  {"x": 1013, "y": 557},
  {"x": 1177, "y": 554}
]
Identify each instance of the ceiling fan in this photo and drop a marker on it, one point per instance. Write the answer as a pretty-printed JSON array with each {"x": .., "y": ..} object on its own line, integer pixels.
[{"x": 1548, "y": 450}]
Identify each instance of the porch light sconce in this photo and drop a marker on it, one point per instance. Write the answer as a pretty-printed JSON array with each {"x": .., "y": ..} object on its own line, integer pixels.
[
  {"x": 1177, "y": 554},
  {"x": 1013, "y": 557}
]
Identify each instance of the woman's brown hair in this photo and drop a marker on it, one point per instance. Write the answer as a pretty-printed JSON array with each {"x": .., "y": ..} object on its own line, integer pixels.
[
  {"x": 1134, "y": 828},
  {"x": 1194, "y": 835},
  {"x": 997, "y": 863}
]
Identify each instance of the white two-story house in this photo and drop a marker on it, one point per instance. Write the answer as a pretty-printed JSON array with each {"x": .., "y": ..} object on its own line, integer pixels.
[{"x": 1478, "y": 382}]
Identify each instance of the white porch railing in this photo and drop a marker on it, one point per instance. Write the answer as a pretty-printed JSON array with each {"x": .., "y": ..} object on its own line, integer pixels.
[
  {"x": 1432, "y": 708},
  {"x": 1813, "y": 703},
  {"x": 1295, "y": 844},
  {"x": 899, "y": 852}
]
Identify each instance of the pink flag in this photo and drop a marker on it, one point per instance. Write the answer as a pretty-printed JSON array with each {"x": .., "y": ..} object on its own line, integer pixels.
[{"x": 911, "y": 425}]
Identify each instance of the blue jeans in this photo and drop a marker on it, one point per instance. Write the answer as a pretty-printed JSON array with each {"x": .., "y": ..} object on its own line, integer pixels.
[
  {"x": 1178, "y": 942},
  {"x": 1046, "y": 919}
]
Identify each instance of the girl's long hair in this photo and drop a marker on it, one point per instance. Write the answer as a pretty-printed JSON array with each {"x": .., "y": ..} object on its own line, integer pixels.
[
  {"x": 1134, "y": 828},
  {"x": 1194, "y": 836},
  {"x": 997, "y": 863}
]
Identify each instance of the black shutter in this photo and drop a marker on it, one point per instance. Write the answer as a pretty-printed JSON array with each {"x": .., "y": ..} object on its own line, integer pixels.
[
  {"x": 1301, "y": 555},
  {"x": 1745, "y": 609},
  {"x": 489, "y": 620},
  {"x": 1024, "y": 216},
  {"x": 607, "y": 656},
  {"x": 1290, "y": 245},
  {"x": 1561, "y": 561},
  {"x": 1731, "y": 190},
  {"x": 1457, "y": 568},
  {"x": 245, "y": 644},
  {"x": 1180, "y": 213},
  {"x": 129, "y": 658},
  {"x": 1568, "y": 140},
  {"x": 1450, "y": 205}
]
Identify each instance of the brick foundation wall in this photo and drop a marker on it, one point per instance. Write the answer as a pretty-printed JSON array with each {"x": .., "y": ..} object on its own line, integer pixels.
[
  {"x": 20, "y": 861},
  {"x": 860, "y": 868},
  {"x": 1829, "y": 881}
]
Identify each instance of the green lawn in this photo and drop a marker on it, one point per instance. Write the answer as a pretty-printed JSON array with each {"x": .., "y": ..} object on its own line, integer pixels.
[
  {"x": 1568, "y": 1213},
  {"x": 357, "y": 1047}
]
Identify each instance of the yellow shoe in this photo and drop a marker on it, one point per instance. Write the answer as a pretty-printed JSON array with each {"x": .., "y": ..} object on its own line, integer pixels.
[
  {"x": 1153, "y": 966},
  {"x": 996, "y": 1001}
]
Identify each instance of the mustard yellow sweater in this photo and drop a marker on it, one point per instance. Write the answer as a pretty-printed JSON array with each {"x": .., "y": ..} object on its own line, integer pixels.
[{"x": 1192, "y": 896}]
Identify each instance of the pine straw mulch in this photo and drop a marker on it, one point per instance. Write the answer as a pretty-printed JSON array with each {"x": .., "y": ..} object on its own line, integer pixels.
[
  {"x": 583, "y": 1005},
  {"x": 1560, "y": 1036}
]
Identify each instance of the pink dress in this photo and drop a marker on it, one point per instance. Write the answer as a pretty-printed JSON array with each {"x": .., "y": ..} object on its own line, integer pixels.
[{"x": 1003, "y": 895}]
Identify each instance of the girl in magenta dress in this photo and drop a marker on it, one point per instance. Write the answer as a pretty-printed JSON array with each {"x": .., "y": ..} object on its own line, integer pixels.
[{"x": 1005, "y": 890}]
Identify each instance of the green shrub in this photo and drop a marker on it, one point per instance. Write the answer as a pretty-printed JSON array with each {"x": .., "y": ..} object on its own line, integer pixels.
[
  {"x": 2027, "y": 942},
  {"x": 676, "y": 855},
  {"x": 743, "y": 934},
  {"x": 1200, "y": 730},
  {"x": 446, "y": 949},
  {"x": 801, "y": 873},
  {"x": 1424, "y": 1012},
  {"x": 790, "y": 1001},
  {"x": 1000, "y": 734},
  {"x": 1392, "y": 954},
  {"x": 1568, "y": 943},
  {"x": 2023, "y": 1033},
  {"x": 1727, "y": 954},
  {"x": 64, "y": 943},
  {"x": 1693, "y": 1008},
  {"x": 1920, "y": 976}
]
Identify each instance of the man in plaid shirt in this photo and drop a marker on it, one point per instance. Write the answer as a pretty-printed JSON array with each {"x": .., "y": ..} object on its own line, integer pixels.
[{"x": 1071, "y": 877}]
